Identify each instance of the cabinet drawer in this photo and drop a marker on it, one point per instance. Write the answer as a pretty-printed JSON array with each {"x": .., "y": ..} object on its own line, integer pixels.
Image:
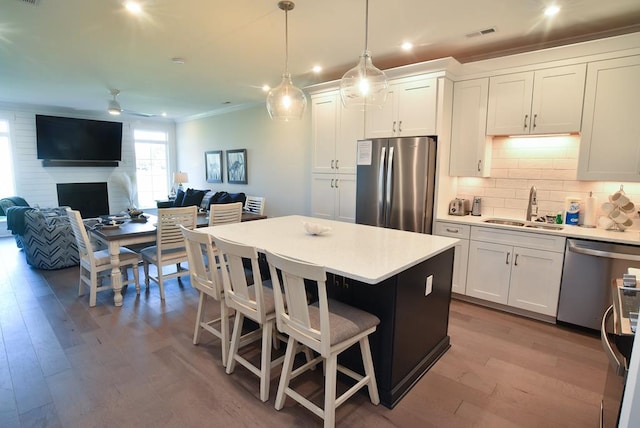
[
  {"x": 454, "y": 230},
  {"x": 538, "y": 241}
]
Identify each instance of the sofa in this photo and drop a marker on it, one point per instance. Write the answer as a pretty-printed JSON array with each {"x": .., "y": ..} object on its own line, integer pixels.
[
  {"x": 202, "y": 199},
  {"x": 45, "y": 235}
]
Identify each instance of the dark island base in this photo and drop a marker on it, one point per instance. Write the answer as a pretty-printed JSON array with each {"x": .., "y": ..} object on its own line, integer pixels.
[{"x": 412, "y": 334}]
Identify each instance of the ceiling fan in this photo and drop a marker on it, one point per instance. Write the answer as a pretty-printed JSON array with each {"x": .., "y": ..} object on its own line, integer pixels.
[{"x": 115, "y": 109}]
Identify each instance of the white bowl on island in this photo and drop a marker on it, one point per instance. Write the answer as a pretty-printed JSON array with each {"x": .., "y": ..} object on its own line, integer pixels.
[{"x": 315, "y": 228}]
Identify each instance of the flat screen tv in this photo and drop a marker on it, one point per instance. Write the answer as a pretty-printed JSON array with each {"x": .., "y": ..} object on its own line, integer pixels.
[{"x": 70, "y": 139}]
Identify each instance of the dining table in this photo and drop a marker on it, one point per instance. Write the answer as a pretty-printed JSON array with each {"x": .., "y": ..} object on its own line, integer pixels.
[
  {"x": 134, "y": 232},
  {"x": 404, "y": 278}
]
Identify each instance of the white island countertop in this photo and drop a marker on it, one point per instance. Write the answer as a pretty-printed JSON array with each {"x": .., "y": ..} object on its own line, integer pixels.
[{"x": 364, "y": 253}]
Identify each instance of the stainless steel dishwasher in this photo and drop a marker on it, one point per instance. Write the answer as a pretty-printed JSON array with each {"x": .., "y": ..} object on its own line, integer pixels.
[{"x": 589, "y": 268}]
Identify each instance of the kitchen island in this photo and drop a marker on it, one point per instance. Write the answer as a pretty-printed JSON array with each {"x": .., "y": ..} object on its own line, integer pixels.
[{"x": 402, "y": 277}]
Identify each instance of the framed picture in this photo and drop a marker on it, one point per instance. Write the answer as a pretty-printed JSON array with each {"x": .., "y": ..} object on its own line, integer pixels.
[
  {"x": 213, "y": 166},
  {"x": 237, "y": 166}
]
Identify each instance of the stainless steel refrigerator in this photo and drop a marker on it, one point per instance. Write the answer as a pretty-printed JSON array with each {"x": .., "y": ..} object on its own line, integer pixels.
[{"x": 395, "y": 183}]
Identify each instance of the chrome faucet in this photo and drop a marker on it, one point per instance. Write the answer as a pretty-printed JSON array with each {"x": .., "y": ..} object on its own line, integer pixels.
[{"x": 532, "y": 208}]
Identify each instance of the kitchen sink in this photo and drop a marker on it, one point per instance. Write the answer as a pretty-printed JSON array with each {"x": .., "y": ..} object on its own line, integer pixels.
[
  {"x": 505, "y": 222},
  {"x": 519, "y": 223},
  {"x": 545, "y": 226}
]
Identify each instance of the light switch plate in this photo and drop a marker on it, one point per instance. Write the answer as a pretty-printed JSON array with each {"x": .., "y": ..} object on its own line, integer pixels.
[{"x": 429, "y": 286}]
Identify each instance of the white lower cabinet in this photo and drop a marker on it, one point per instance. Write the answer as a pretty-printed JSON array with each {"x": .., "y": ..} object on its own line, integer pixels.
[
  {"x": 334, "y": 197},
  {"x": 460, "y": 231},
  {"x": 522, "y": 270}
]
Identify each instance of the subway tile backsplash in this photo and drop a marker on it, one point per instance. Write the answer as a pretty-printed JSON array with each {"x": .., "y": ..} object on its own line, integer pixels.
[{"x": 550, "y": 164}]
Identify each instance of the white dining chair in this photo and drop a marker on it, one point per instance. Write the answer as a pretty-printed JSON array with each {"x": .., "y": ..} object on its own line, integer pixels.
[
  {"x": 225, "y": 213},
  {"x": 255, "y": 204},
  {"x": 169, "y": 248},
  {"x": 94, "y": 262},
  {"x": 249, "y": 301},
  {"x": 207, "y": 279},
  {"x": 328, "y": 327}
]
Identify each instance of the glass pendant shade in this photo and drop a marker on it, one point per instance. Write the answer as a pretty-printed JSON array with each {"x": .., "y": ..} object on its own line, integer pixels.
[
  {"x": 285, "y": 101},
  {"x": 364, "y": 85}
]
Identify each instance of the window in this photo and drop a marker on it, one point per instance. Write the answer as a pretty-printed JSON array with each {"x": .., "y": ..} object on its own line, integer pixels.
[
  {"x": 151, "y": 166},
  {"x": 7, "y": 187}
]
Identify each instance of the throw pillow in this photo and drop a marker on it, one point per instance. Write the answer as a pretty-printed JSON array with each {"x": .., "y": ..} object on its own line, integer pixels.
[
  {"x": 193, "y": 197},
  {"x": 179, "y": 198},
  {"x": 206, "y": 201}
]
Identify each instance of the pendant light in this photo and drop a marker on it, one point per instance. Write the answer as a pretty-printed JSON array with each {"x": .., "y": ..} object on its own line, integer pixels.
[
  {"x": 114, "y": 106},
  {"x": 364, "y": 85},
  {"x": 285, "y": 101}
]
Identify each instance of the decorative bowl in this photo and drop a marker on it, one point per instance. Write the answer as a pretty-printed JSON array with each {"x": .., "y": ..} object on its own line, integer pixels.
[
  {"x": 135, "y": 213},
  {"x": 315, "y": 228}
]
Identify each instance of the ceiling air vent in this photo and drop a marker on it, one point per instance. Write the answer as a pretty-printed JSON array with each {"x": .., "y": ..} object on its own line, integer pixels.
[
  {"x": 31, "y": 2},
  {"x": 484, "y": 32}
]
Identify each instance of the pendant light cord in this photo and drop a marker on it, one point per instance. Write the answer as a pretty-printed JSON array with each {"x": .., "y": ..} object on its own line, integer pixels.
[
  {"x": 286, "y": 41},
  {"x": 366, "y": 25}
]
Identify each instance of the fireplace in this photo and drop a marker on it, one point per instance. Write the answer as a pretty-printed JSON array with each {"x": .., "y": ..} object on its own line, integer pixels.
[{"x": 91, "y": 199}]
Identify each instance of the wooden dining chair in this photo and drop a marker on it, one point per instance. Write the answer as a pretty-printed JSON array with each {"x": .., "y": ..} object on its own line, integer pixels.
[
  {"x": 225, "y": 213},
  {"x": 207, "y": 279},
  {"x": 328, "y": 327},
  {"x": 249, "y": 301},
  {"x": 169, "y": 248},
  {"x": 94, "y": 262},
  {"x": 255, "y": 204}
]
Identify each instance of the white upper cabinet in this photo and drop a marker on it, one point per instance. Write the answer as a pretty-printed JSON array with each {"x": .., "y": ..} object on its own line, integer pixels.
[
  {"x": 410, "y": 110},
  {"x": 541, "y": 102},
  {"x": 335, "y": 131},
  {"x": 470, "y": 146},
  {"x": 610, "y": 143}
]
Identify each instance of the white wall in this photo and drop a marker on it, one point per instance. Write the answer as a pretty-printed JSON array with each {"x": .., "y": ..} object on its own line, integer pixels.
[
  {"x": 37, "y": 184},
  {"x": 278, "y": 156}
]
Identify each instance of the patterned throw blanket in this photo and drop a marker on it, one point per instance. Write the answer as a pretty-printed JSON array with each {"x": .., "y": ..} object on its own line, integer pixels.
[{"x": 15, "y": 219}]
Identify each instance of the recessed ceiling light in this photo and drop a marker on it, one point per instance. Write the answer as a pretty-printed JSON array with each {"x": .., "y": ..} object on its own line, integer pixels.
[
  {"x": 178, "y": 60},
  {"x": 133, "y": 7},
  {"x": 317, "y": 69},
  {"x": 552, "y": 10},
  {"x": 407, "y": 46},
  {"x": 164, "y": 114},
  {"x": 266, "y": 88}
]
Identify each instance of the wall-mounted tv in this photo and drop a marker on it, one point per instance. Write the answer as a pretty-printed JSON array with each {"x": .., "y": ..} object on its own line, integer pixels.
[{"x": 70, "y": 139}]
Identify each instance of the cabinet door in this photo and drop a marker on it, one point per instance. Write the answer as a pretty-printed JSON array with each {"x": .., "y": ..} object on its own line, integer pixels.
[
  {"x": 380, "y": 123},
  {"x": 345, "y": 205},
  {"x": 416, "y": 108},
  {"x": 323, "y": 132},
  {"x": 350, "y": 130},
  {"x": 609, "y": 148},
  {"x": 535, "y": 280},
  {"x": 510, "y": 104},
  {"x": 489, "y": 271},
  {"x": 557, "y": 99},
  {"x": 460, "y": 261},
  {"x": 323, "y": 196},
  {"x": 470, "y": 147}
]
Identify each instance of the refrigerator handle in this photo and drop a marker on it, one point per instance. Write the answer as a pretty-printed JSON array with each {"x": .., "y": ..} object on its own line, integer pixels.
[
  {"x": 383, "y": 155},
  {"x": 389, "y": 186}
]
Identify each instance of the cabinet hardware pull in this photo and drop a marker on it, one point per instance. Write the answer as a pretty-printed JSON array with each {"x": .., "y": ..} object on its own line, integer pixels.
[
  {"x": 507, "y": 260},
  {"x": 332, "y": 183},
  {"x": 394, "y": 127},
  {"x": 515, "y": 261},
  {"x": 526, "y": 120},
  {"x": 331, "y": 163},
  {"x": 337, "y": 163},
  {"x": 337, "y": 179},
  {"x": 535, "y": 118},
  {"x": 479, "y": 163},
  {"x": 400, "y": 127},
  {"x": 452, "y": 230}
]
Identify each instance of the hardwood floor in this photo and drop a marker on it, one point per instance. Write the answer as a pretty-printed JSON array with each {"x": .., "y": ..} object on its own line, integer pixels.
[{"x": 63, "y": 364}]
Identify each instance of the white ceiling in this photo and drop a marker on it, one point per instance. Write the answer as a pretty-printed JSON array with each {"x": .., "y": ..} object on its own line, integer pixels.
[{"x": 70, "y": 53}]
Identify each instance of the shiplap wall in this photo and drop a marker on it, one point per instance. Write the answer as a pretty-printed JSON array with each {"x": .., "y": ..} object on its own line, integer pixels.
[{"x": 37, "y": 184}]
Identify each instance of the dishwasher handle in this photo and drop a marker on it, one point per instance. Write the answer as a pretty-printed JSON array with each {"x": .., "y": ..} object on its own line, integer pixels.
[{"x": 571, "y": 244}]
